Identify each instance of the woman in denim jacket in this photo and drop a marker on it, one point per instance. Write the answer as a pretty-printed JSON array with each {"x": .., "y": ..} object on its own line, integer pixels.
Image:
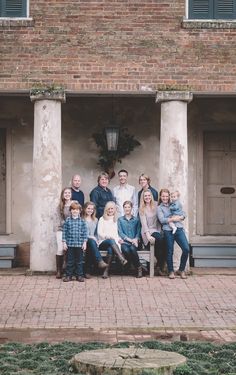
[
  {"x": 129, "y": 230},
  {"x": 164, "y": 216}
]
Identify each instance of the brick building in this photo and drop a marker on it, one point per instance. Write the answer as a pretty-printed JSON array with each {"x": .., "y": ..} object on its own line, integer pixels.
[{"x": 165, "y": 69}]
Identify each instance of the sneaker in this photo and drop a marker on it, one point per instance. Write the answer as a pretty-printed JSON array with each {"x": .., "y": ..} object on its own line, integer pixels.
[
  {"x": 171, "y": 275},
  {"x": 182, "y": 274},
  {"x": 80, "y": 279},
  {"x": 67, "y": 278},
  {"x": 88, "y": 276}
]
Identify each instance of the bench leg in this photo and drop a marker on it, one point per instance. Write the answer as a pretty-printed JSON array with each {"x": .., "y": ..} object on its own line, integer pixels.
[{"x": 152, "y": 250}]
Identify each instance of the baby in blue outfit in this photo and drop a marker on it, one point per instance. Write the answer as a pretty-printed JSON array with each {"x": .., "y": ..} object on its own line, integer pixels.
[{"x": 175, "y": 208}]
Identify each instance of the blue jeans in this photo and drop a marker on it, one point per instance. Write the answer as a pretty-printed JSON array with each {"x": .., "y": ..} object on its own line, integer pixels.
[
  {"x": 130, "y": 253},
  {"x": 107, "y": 245},
  {"x": 182, "y": 241},
  {"x": 75, "y": 258},
  {"x": 92, "y": 254},
  {"x": 160, "y": 249}
]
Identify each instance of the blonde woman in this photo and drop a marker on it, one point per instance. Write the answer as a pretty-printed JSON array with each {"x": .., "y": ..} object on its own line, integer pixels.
[
  {"x": 92, "y": 252},
  {"x": 151, "y": 228},
  {"x": 108, "y": 237}
]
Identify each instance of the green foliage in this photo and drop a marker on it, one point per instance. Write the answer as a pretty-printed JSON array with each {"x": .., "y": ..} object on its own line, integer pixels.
[
  {"x": 49, "y": 90},
  {"x": 126, "y": 144},
  {"x": 38, "y": 359}
]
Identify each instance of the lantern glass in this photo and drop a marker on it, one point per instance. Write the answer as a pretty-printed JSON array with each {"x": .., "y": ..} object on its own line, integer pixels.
[{"x": 112, "y": 136}]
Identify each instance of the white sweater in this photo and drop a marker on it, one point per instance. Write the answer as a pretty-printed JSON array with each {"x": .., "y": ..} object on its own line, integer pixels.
[{"x": 107, "y": 229}]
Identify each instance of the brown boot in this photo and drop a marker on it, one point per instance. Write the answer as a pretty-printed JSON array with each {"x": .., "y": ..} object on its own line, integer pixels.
[
  {"x": 59, "y": 263},
  {"x": 119, "y": 254},
  {"x": 102, "y": 264},
  {"x": 139, "y": 272},
  {"x": 106, "y": 271}
]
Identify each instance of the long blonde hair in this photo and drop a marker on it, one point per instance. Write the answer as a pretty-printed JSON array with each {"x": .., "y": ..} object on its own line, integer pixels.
[
  {"x": 143, "y": 204},
  {"x": 93, "y": 216},
  {"x": 109, "y": 205}
]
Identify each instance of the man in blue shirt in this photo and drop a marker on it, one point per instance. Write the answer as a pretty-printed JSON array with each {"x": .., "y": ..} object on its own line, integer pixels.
[{"x": 101, "y": 194}]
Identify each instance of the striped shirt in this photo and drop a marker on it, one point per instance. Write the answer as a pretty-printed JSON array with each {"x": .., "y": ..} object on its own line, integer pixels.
[{"x": 75, "y": 232}]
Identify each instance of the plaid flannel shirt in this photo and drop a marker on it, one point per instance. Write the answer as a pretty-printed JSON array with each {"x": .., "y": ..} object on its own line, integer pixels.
[{"x": 75, "y": 232}]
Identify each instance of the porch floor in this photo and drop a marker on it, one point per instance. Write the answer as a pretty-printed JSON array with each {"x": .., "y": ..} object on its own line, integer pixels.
[{"x": 121, "y": 308}]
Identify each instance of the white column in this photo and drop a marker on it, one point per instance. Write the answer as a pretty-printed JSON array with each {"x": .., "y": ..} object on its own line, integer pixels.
[
  {"x": 46, "y": 180},
  {"x": 173, "y": 162}
]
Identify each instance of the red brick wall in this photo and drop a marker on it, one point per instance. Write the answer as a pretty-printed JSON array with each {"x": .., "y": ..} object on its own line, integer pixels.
[{"x": 114, "y": 45}]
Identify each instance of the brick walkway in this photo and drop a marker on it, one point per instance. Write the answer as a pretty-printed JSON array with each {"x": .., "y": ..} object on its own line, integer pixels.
[{"x": 120, "y": 308}]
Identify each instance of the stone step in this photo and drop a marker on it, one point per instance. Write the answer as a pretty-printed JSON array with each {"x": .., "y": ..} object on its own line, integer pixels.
[
  {"x": 214, "y": 255},
  {"x": 7, "y": 255},
  {"x": 6, "y": 263}
]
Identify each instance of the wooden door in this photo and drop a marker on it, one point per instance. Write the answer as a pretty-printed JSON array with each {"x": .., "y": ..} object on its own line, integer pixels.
[
  {"x": 2, "y": 181},
  {"x": 220, "y": 183}
]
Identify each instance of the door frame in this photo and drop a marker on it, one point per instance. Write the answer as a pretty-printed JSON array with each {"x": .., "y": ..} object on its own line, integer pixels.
[
  {"x": 9, "y": 181},
  {"x": 200, "y": 219},
  {"x": 8, "y": 212}
]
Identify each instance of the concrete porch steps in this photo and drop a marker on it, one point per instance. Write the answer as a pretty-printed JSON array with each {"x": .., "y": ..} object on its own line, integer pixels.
[
  {"x": 7, "y": 255},
  {"x": 214, "y": 255}
]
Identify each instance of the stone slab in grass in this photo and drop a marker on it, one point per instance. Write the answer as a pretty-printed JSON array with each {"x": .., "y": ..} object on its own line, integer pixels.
[{"x": 131, "y": 361}]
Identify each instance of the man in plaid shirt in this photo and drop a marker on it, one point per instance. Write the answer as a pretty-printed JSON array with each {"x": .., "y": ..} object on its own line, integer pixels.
[{"x": 74, "y": 238}]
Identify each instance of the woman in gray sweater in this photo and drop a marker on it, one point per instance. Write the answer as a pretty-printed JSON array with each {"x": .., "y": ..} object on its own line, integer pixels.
[{"x": 151, "y": 228}]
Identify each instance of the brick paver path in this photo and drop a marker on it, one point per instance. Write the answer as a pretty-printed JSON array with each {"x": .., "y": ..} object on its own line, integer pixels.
[{"x": 206, "y": 304}]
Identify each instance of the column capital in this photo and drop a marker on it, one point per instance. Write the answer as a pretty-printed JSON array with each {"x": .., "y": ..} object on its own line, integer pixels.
[
  {"x": 48, "y": 93},
  {"x": 167, "y": 96}
]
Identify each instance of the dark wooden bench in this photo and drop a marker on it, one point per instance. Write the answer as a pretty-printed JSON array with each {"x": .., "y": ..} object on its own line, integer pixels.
[{"x": 146, "y": 254}]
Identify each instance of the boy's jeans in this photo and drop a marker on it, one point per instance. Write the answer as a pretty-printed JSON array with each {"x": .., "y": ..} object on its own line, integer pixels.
[{"x": 75, "y": 256}]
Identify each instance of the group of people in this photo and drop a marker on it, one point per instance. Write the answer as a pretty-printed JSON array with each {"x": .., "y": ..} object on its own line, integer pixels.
[{"x": 120, "y": 222}]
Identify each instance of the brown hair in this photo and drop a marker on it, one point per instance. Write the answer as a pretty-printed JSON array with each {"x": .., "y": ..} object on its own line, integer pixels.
[
  {"x": 62, "y": 201},
  {"x": 103, "y": 174},
  {"x": 128, "y": 202},
  {"x": 163, "y": 191},
  {"x": 75, "y": 205},
  {"x": 93, "y": 216},
  {"x": 146, "y": 177}
]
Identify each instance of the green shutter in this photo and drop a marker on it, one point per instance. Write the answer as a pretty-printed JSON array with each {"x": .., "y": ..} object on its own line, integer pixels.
[
  {"x": 13, "y": 8},
  {"x": 212, "y": 9},
  {"x": 225, "y": 9},
  {"x": 201, "y": 9}
]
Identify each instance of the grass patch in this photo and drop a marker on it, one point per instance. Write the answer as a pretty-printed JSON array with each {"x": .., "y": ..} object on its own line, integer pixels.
[{"x": 38, "y": 359}]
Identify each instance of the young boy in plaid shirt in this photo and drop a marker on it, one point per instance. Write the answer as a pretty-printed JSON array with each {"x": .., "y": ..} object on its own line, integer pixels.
[{"x": 74, "y": 237}]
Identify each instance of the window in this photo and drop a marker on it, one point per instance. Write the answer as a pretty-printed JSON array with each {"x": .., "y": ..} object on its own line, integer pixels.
[
  {"x": 13, "y": 8},
  {"x": 212, "y": 9}
]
